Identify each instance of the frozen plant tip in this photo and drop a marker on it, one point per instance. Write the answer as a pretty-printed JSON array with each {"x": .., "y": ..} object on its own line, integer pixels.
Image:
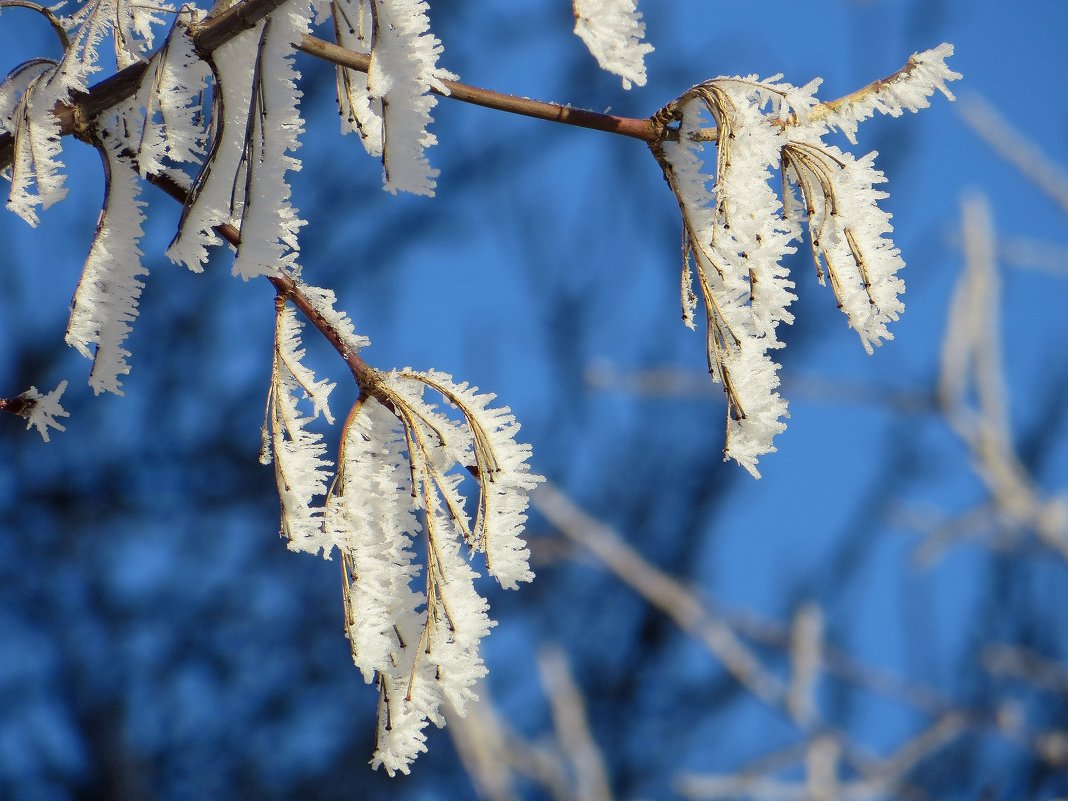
[
  {"x": 40, "y": 411},
  {"x": 737, "y": 230}
]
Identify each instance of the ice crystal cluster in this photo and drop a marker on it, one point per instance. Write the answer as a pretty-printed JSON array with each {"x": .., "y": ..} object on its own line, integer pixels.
[
  {"x": 205, "y": 105},
  {"x": 737, "y": 229}
]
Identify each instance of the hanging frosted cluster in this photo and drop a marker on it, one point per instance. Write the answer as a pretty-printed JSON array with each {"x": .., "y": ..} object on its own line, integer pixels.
[
  {"x": 403, "y": 468},
  {"x": 737, "y": 229},
  {"x": 428, "y": 472}
]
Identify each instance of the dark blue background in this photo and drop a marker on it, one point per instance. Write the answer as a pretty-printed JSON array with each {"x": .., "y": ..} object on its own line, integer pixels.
[{"x": 157, "y": 640}]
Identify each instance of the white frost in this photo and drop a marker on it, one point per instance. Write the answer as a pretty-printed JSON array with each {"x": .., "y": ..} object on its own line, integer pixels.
[
  {"x": 105, "y": 302},
  {"x": 404, "y": 58},
  {"x": 402, "y": 472},
  {"x": 910, "y": 89},
  {"x": 43, "y": 410},
  {"x": 613, "y": 31},
  {"x": 243, "y": 182},
  {"x": 737, "y": 232},
  {"x": 167, "y": 125},
  {"x": 301, "y": 469}
]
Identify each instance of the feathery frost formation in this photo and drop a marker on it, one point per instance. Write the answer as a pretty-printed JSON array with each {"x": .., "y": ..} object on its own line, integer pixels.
[
  {"x": 105, "y": 302},
  {"x": 402, "y": 468},
  {"x": 612, "y": 31},
  {"x": 256, "y": 124},
  {"x": 41, "y": 411},
  {"x": 737, "y": 230},
  {"x": 390, "y": 107},
  {"x": 405, "y": 463}
]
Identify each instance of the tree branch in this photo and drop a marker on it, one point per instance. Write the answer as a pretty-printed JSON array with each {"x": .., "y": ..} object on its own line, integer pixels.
[
  {"x": 553, "y": 112},
  {"x": 216, "y": 31},
  {"x": 362, "y": 372}
]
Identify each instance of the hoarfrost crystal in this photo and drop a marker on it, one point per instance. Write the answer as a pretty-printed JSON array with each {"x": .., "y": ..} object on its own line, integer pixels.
[
  {"x": 736, "y": 234},
  {"x": 613, "y": 30},
  {"x": 42, "y": 410}
]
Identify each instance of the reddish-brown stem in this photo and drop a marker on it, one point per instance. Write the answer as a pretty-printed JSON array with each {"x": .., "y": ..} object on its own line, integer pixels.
[
  {"x": 291, "y": 291},
  {"x": 553, "y": 112}
]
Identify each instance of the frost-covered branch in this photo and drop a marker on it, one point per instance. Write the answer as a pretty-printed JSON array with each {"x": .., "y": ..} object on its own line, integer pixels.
[{"x": 212, "y": 116}]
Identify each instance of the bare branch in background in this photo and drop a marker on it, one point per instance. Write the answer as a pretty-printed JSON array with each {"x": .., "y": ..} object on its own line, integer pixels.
[{"x": 1016, "y": 148}]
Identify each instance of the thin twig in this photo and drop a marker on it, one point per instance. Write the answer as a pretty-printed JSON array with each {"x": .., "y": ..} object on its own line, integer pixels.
[
  {"x": 662, "y": 591},
  {"x": 572, "y": 728},
  {"x": 216, "y": 31},
  {"x": 553, "y": 112},
  {"x": 1020, "y": 151}
]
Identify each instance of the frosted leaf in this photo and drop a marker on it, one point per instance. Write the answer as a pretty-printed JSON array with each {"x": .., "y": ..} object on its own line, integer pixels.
[
  {"x": 735, "y": 237},
  {"x": 168, "y": 122},
  {"x": 370, "y": 519},
  {"x": 445, "y": 442},
  {"x": 216, "y": 196},
  {"x": 849, "y": 233},
  {"x": 14, "y": 86},
  {"x": 908, "y": 89},
  {"x": 613, "y": 30},
  {"x": 86, "y": 27},
  {"x": 403, "y": 70},
  {"x": 501, "y": 462},
  {"x": 105, "y": 302},
  {"x": 440, "y": 660},
  {"x": 133, "y": 24},
  {"x": 136, "y": 23},
  {"x": 301, "y": 469},
  {"x": 457, "y": 617},
  {"x": 256, "y": 127},
  {"x": 736, "y": 233},
  {"x": 36, "y": 171},
  {"x": 360, "y": 112},
  {"x": 269, "y": 222},
  {"x": 404, "y": 461},
  {"x": 41, "y": 411}
]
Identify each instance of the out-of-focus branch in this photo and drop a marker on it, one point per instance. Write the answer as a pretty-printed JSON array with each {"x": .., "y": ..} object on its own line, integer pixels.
[
  {"x": 672, "y": 382},
  {"x": 1034, "y": 254},
  {"x": 572, "y": 768},
  {"x": 1026, "y": 665},
  {"x": 972, "y": 392},
  {"x": 806, "y": 663},
  {"x": 661, "y": 591},
  {"x": 572, "y": 729},
  {"x": 880, "y": 778},
  {"x": 482, "y": 743},
  {"x": 1009, "y": 143}
]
